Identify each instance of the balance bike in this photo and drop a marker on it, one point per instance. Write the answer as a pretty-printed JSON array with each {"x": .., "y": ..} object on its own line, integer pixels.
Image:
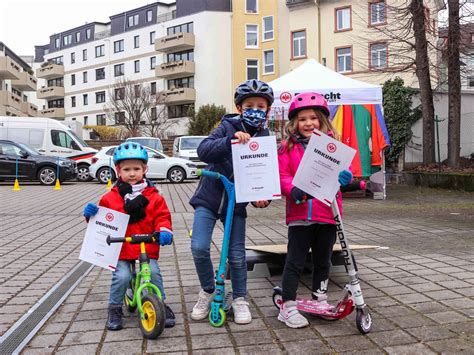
[
  {"x": 351, "y": 296},
  {"x": 217, "y": 314},
  {"x": 145, "y": 296}
]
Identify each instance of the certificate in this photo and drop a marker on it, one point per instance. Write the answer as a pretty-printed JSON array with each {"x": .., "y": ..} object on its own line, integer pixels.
[
  {"x": 256, "y": 174},
  {"x": 95, "y": 249},
  {"x": 323, "y": 160}
]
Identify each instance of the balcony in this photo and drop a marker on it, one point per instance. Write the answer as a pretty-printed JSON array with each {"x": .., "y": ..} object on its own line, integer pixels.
[
  {"x": 55, "y": 112},
  {"x": 29, "y": 109},
  {"x": 26, "y": 82},
  {"x": 50, "y": 71},
  {"x": 178, "y": 69},
  {"x": 180, "y": 96},
  {"x": 175, "y": 43},
  {"x": 10, "y": 99},
  {"x": 294, "y": 3},
  {"x": 10, "y": 111},
  {"x": 51, "y": 93},
  {"x": 9, "y": 69}
]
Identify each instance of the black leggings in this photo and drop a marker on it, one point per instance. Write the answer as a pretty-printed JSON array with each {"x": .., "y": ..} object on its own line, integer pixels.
[{"x": 320, "y": 238}]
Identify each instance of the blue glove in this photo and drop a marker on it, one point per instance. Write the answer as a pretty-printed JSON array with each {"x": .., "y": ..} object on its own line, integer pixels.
[
  {"x": 299, "y": 195},
  {"x": 345, "y": 177},
  {"x": 166, "y": 238},
  {"x": 90, "y": 210}
]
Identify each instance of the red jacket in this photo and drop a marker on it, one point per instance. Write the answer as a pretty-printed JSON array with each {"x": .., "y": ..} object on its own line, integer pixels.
[{"x": 158, "y": 218}]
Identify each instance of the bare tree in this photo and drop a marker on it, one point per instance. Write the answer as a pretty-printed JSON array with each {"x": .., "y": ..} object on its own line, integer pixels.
[{"x": 138, "y": 109}]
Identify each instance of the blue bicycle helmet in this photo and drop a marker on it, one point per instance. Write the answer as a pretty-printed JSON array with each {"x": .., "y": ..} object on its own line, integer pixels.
[
  {"x": 130, "y": 150},
  {"x": 252, "y": 88}
]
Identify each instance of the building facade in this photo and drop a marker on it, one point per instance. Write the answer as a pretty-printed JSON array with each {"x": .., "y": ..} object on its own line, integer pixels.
[{"x": 16, "y": 80}]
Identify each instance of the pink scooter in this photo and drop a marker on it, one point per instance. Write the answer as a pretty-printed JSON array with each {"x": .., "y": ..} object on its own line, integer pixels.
[{"x": 351, "y": 295}]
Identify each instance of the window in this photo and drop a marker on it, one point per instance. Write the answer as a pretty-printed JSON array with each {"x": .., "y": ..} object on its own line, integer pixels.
[
  {"x": 268, "y": 62},
  {"x": 59, "y": 103},
  {"x": 343, "y": 19},
  {"x": 251, "y": 6},
  {"x": 185, "y": 27},
  {"x": 136, "y": 42},
  {"x": 377, "y": 15},
  {"x": 178, "y": 110},
  {"x": 252, "y": 69},
  {"x": 119, "y": 69},
  {"x": 100, "y": 97},
  {"x": 152, "y": 37},
  {"x": 57, "y": 60},
  {"x": 73, "y": 79},
  {"x": 251, "y": 36},
  {"x": 185, "y": 55},
  {"x": 84, "y": 54},
  {"x": 267, "y": 28},
  {"x": 101, "y": 121},
  {"x": 118, "y": 46},
  {"x": 378, "y": 55},
  {"x": 153, "y": 114},
  {"x": 84, "y": 77},
  {"x": 136, "y": 65},
  {"x": 100, "y": 74},
  {"x": 99, "y": 51},
  {"x": 78, "y": 37},
  {"x": 67, "y": 40},
  {"x": 181, "y": 83},
  {"x": 57, "y": 42},
  {"x": 88, "y": 33},
  {"x": 149, "y": 16},
  {"x": 298, "y": 44},
  {"x": 153, "y": 88},
  {"x": 119, "y": 93},
  {"x": 119, "y": 117},
  {"x": 85, "y": 99},
  {"x": 136, "y": 90},
  {"x": 152, "y": 62},
  {"x": 86, "y": 118},
  {"x": 51, "y": 82},
  {"x": 73, "y": 101},
  {"x": 470, "y": 81},
  {"x": 73, "y": 57},
  {"x": 63, "y": 139},
  {"x": 133, "y": 20},
  {"x": 344, "y": 60}
]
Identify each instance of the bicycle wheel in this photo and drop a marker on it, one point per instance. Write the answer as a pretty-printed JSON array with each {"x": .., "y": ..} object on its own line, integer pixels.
[{"x": 153, "y": 321}]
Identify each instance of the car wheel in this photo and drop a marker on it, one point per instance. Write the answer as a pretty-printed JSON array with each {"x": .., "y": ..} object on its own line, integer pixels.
[
  {"x": 176, "y": 175},
  {"x": 47, "y": 175},
  {"x": 104, "y": 174},
  {"x": 83, "y": 173}
]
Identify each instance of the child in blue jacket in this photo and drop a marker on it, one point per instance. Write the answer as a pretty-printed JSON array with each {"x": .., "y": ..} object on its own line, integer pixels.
[{"x": 253, "y": 100}]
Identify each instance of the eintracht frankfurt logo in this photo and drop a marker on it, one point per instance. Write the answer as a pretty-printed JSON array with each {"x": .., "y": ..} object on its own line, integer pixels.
[
  {"x": 253, "y": 146},
  {"x": 285, "y": 97},
  {"x": 109, "y": 217},
  {"x": 331, "y": 147}
]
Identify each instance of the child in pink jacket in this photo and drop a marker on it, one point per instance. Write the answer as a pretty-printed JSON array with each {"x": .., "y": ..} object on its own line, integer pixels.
[{"x": 310, "y": 224}]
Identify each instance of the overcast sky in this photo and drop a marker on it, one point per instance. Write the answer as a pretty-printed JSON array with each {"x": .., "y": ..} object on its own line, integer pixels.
[{"x": 26, "y": 23}]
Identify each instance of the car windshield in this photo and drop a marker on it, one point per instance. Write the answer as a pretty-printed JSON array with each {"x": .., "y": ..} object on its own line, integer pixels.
[
  {"x": 28, "y": 149},
  {"x": 154, "y": 143},
  {"x": 84, "y": 144},
  {"x": 191, "y": 143}
]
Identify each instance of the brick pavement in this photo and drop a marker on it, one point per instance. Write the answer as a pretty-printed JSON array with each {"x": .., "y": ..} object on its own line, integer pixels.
[{"x": 420, "y": 290}]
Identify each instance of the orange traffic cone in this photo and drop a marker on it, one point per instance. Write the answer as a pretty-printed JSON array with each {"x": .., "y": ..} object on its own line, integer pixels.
[{"x": 16, "y": 185}]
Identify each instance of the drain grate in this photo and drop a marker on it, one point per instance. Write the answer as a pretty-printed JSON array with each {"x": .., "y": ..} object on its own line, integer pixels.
[{"x": 16, "y": 338}]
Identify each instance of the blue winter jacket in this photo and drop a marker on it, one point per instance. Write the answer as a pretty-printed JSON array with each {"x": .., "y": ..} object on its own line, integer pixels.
[{"x": 216, "y": 151}]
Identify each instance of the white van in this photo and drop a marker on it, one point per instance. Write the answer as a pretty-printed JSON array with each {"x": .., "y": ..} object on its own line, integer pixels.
[
  {"x": 49, "y": 137},
  {"x": 186, "y": 147}
]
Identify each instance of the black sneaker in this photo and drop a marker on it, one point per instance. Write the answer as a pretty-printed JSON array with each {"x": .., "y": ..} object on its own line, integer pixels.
[
  {"x": 170, "y": 318},
  {"x": 114, "y": 318}
]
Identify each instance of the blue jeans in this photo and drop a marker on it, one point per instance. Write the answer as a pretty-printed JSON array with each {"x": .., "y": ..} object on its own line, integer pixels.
[
  {"x": 204, "y": 222},
  {"x": 121, "y": 279}
]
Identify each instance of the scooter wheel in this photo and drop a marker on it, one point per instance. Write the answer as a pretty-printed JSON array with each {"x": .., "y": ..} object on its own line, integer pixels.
[
  {"x": 220, "y": 318},
  {"x": 277, "y": 299},
  {"x": 364, "y": 321}
]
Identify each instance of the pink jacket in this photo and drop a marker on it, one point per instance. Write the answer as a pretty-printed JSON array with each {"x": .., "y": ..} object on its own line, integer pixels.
[{"x": 313, "y": 210}]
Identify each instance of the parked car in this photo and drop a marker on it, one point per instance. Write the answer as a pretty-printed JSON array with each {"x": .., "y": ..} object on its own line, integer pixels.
[
  {"x": 49, "y": 137},
  {"x": 32, "y": 165},
  {"x": 151, "y": 142},
  {"x": 186, "y": 147},
  {"x": 160, "y": 166}
]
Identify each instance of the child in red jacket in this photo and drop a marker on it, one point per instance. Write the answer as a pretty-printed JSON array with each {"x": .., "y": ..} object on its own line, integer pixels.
[{"x": 134, "y": 195}]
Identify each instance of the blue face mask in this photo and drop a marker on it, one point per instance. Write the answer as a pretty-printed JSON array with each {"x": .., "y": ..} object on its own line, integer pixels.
[{"x": 254, "y": 117}]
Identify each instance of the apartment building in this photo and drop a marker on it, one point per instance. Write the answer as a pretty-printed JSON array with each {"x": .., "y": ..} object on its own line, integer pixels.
[
  {"x": 16, "y": 80},
  {"x": 160, "y": 45},
  {"x": 356, "y": 38}
]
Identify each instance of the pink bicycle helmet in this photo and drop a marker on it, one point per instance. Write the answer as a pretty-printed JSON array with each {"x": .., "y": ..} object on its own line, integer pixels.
[{"x": 307, "y": 100}]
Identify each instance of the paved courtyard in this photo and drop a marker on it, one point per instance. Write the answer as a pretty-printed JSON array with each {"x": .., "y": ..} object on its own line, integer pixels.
[{"x": 420, "y": 289}]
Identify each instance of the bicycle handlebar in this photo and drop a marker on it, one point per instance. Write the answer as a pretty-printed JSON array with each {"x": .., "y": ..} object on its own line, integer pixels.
[
  {"x": 133, "y": 239},
  {"x": 204, "y": 172}
]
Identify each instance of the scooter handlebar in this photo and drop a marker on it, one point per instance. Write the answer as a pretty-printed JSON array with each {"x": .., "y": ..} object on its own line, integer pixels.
[
  {"x": 354, "y": 186},
  {"x": 204, "y": 172}
]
